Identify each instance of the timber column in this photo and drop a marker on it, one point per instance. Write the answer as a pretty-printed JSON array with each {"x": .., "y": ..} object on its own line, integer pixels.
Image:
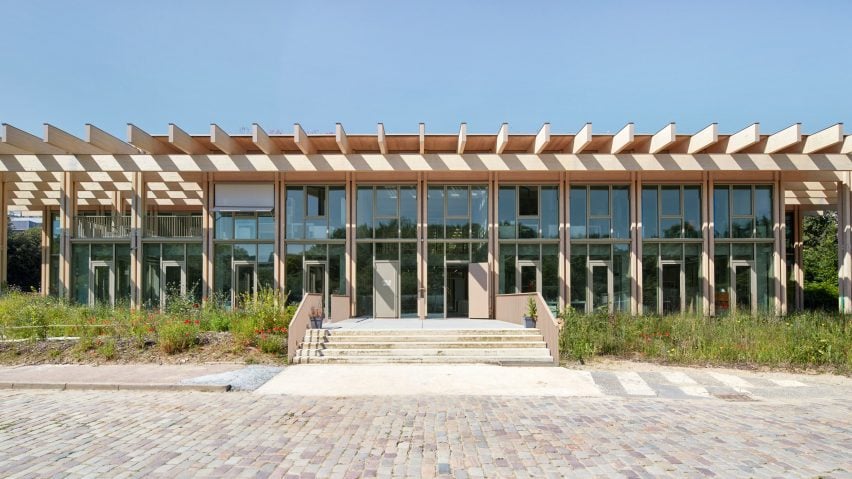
[
  {"x": 206, "y": 237},
  {"x": 45, "y": 251},
  {"x": 137, "y": 219},
  {"x": 67, "y": 210},
  {"x": 844, "y": 249},
  {"x": 4, "y": 231}
]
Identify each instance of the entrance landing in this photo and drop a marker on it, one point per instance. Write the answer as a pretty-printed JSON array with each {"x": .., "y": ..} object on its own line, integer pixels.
[{"x": 416, "y": 323}]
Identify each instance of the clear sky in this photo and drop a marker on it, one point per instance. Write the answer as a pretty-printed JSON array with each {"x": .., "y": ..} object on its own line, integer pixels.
[{"x": 151, "y": 62}]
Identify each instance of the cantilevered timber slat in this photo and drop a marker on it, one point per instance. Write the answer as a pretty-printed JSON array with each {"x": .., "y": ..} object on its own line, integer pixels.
[
  {"x": 380, "y": 137},
  {"x": 743, "y": 139},
  {"x": 421, "y": 133},
  {"x": 703, "y": 139},
  {"x": 303, "y": 141},
  {"x": 184, "y": 141},
  {"x": 147, "y": 143},
  {"x": 107, "y": 142},
  {"x": 784, "y": 139},
  {"x": 462, "y": 139},
  {"x": 663, "y": 139},
  {"x": 28, "y": 142},
  {"x": 582, "y": 139},
  {"x": 542, "y": 139},
  {"x": 623, "y": 139},
  {"x": 823, "y": 139},
  {"x": 502, "y": 139},
  {"x": 263, "y": 141},
  {"x": 70, "y": 143},
  {"x": 223, "y": 141},
  {"x": 342, "y": 139}
]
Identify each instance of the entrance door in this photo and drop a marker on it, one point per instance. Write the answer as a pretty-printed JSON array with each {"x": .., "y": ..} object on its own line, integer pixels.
[
  {"x": 672, "y": 287},
  {"x": 529, "y": 277},
  {"x": 745, "y": 286},
  {"x": 600, "y": 286},
  {"x": 174, "y": 280},
  {"x": 457, "y": 290},
  {"x": 101, "y": 283},
  {"x": 316, "y": 280},
  {"x": 386, "y": 289},
  {"x": 245, "y": 281}
]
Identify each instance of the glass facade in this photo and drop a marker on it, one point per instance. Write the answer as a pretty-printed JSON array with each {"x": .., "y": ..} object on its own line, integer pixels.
[
  {"x": 243, "y": 255},
  {"x": 383, "y": 246},
  {"x": 457, "y": 235},
  {"x": 600, "y": 248},
  {"x": 528, "y": 232},
  {"x": 744, "y": 248},
  {"x": 671, "y": 249},
  {"x": 386, "y": 251}
]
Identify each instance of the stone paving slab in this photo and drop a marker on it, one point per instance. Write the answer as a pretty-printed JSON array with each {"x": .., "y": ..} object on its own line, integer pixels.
[{"x": 144, "y": 434}]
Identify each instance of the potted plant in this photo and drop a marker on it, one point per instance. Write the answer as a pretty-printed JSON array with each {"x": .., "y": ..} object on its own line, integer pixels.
[
  {"x": 317, "y": 316},
  {"x": 532, "y": 313}
]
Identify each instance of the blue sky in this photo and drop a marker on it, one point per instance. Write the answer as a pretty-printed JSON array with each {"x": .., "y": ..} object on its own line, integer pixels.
[{"x": 439, "y": 62}]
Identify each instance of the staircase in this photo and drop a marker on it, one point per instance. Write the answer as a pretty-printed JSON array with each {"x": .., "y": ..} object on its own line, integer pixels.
[{"x": 490, "y": 346}]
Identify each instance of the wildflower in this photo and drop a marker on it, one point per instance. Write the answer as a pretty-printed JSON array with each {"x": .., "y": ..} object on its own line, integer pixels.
[{"x": 185, "y": 321}]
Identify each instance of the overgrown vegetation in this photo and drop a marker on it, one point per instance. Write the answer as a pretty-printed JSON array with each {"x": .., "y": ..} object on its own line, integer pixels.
[
  {"x": 806, "y": 340},
  {"x": 262, "y": 323},
  {"x": 819, "y": 260}
]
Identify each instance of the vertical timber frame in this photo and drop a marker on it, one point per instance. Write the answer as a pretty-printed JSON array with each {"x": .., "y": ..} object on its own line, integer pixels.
[
  {"x": 422, "y": 253},
  {"x": 4, "y": 231},
  {"x": 707, "y": 250},
  {"x": 67, "y": 211},
  {"x": 710, "y": 245},
  {"x": 493, "y": 255},
  {"x": 279, "y": 251},
  {"x": 780, "y": 256},
  {"x": 349, "y": 249},
  {"x": 566, "y": 225},
  {"x": 138, "y": 195},
  {"x": 798, "y": 249},
  {"x": 636, "y": 243},
  {"x": 844, "y": 255},
  {"x": 206, "y": 237},
  {"x": 563, "y": 240},
  {"x": 45, "y": 251}
]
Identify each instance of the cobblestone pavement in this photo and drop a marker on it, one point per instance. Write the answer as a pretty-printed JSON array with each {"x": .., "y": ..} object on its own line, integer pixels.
[{"x": 134, "y": 434}]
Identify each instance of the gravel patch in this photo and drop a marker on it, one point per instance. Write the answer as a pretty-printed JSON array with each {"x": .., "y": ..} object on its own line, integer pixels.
[{"x": 248, "y": 378}]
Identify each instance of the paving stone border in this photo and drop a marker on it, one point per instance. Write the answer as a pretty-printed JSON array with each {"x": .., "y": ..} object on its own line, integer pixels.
[{"x": 118, "y": 387}]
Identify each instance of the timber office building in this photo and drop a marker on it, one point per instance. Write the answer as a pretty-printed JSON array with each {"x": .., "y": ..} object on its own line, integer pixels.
[{"x": 432, "y": 225}]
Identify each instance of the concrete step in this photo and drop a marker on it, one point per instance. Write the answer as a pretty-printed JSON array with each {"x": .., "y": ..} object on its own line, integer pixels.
[
  {"x": 383, "y": 338},
  {"x": 457, "y": 352},
  {"x": 537, "y": 361},
  {"x": 427, "y": 332},
  {"x": 421, "y": 344}
]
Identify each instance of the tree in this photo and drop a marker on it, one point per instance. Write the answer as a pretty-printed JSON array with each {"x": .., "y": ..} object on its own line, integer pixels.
[
  {"x": 819, "y": 260},
  {"x": 24, "y": 259}
]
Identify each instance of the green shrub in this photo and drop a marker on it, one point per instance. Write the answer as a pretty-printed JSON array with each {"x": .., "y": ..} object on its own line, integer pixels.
[
  {"x": 106, "y": 348},
  {"x": 272, "y": 343},
  {"x": 175, "y": 336}
]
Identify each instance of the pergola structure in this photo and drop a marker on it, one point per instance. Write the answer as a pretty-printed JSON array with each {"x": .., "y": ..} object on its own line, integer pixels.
[{"x": 177, "y": 171}]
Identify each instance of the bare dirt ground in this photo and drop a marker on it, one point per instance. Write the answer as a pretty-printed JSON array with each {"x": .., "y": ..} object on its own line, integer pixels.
[{"x": 211, "y": 348}]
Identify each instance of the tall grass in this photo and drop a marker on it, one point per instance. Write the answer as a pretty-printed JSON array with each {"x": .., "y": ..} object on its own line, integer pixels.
[
  {"x": 175, "y": 329},
  {"x": 806, "y": 340}
]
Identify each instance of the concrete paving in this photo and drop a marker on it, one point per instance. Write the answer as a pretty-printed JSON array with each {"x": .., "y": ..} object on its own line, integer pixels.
[{"x": 416, "y": 323}]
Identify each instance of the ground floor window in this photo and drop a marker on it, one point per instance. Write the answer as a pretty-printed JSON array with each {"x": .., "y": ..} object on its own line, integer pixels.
[
  {"x": 744, "y": 277},
  {"x": 240, "y": 269},
  {"x": 315, "y": 268},
  {"x": 100, "y": 273},
  {"x": 600, "y": 277},
  {"x": 169, "y": 270},
  {"x": 386, "y": 279},
  {"x": 530, "y": 267},
  {"x": 671, "y": 278}
]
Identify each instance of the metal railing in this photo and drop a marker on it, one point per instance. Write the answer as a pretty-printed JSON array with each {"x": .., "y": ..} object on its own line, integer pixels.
[
  {"x": 183, "y": 226},
  {"x": 102, "y": 227}
]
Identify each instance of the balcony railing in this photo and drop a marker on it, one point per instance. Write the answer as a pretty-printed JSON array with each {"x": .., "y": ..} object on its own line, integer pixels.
[
  {"x": 173, "y": 226},
  {"x": 102, "y": 227}
]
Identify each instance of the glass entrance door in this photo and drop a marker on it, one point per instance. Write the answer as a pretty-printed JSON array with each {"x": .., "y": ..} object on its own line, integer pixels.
[
  {"x": 744, "y": 290},
  {"x": 529, "y": 277},
  {"x": 174, "y": 281},
  {"x": 245, "y": 281},
  {"x": 456, "y": 290},
  {"x": 101, "y": 283},
  {"x": 600, "y": 286},
  {"x": 315, "y": 279},
  {"x": 672, "y": 288}
]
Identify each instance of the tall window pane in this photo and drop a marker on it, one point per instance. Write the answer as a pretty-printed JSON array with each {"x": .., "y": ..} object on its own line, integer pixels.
[
  {"x": 365, "y": 212},
  {"x": 720, "y": 212},
  {"x": 578, "y": 213},
  {"x": 527, "y": 201},
  {"x": 337, "y": 212},
  {"x": 620, "y": 212},
  {"x": 549, "y": 212},
  {"x": 408, "y": 211},
  {"x": 479, "y": 212},
  {"x": 763, "y": 211},
  {"x": 435, "y": 212},
  {"x": 295, "y": 212},
  {"x": 691, "y": 212},
  {"x": 506, "y": 212},
  {"x": 649, "y": 212},
  {"x": 599, "y": 201}
]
